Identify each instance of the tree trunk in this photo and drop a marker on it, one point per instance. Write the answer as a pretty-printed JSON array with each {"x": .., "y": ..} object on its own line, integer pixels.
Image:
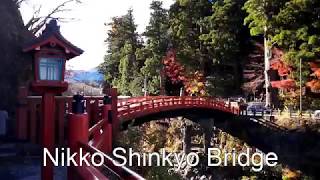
[{"x": 266, "y": 69}]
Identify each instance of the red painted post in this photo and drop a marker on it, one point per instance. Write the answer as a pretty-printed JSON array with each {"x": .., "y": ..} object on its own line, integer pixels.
[
  {"x": 89, "y": 110},
  {"x": 152, "y": 101},
  {"x": 47, "y": 128},
  {"x": 78, "y": 132},
  {"x": 21, "y": 121},
  {"x": 60, "y": 120},
  {"x": 114, "y": 112},
  {"x": 69, "y": 103},
  {"x": 140, "y": 106},
  {"x": 95, "y": 109},
  {"x": 34, "y": 134},
  {"x": 107, "y": 129}
]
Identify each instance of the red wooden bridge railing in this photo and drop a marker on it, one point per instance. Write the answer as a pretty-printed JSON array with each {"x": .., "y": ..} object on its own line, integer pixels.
[
  {"x": 93, "y": 130},
  {"x": 96, "y": 139},
  {"x": 129, "y": 109}
]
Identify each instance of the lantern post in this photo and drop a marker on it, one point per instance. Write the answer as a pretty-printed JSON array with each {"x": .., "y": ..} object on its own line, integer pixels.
[{"x": 50, "y": 51}]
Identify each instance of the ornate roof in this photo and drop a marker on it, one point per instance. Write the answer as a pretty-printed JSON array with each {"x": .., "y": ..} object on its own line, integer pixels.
[{"x": 51, "y": 34}]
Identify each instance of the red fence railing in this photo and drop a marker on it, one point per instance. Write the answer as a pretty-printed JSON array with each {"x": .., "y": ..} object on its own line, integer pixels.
[
  {"x": 29, "y": 111},
  {"x": 96, "y": 139},
  {"x": 130, "y": 109},
  {"x": 93, "y": 131},
  {"x": 29, "y": 116}
]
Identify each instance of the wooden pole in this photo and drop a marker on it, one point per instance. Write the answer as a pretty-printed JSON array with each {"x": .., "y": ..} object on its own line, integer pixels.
[
  {"x": 114, "y": 112},
  {"x": 267, "y": 67},
  {"x": 300, "y": 114},
  {"x": 186, "y": 139},
  {"x": 107, "y": 130},
  {"x": 47, "y": 128},
  {"x": 78, "y": 132},
  {"x": 21, "y": 120}
]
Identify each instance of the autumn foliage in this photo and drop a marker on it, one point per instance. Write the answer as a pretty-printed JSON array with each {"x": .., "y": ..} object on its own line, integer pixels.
[
  {"x": 314, "y": 83},
  {"x": 283, "y": 70},
  {"x": 284, "y": 84},
  {"x": 193, "y": 81},
  {"x": 195, "y": 84},
  {"x": 173, "y": 69}
]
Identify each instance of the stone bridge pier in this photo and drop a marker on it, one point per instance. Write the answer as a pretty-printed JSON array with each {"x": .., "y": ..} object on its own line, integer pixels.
[{"x": 206, "y": 130}]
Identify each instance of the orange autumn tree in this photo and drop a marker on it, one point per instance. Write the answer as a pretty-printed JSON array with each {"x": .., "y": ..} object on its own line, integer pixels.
[
  {"x": 289, "y": 84},
  {"x": 193, "y": 82},
  {"x": 314, "y": 83},
  {"x": 284, "y": 70},
  {"x": 286, "y": 83},
  {"x": 173, "y": 69}
]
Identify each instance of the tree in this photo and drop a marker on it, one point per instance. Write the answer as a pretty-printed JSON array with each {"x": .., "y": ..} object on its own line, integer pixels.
[
  {"x": 298, "y": 35},
  {"x": 121, "y": 65},
  {"x": 185, "y": 29},
  {"x": 124, "y": 68},
  {"x": 39, "y": 19},
  {"x": 16, "y": 67},
  {"x": 261, "y": 22},
  {"x": 173, "y": 69},
  {"x": 314, "y": 83},
  {"x": 292, "y": 26},
  {"x": 157, "y": 44},
  {"x": 177, "y": 77},
  {"x": 225, "y": 36}
]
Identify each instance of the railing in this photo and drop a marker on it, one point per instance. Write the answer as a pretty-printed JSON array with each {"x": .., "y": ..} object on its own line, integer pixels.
[
  {"x": 94, "y": 139},
  {"x": 29, "y": 116},
  {"x": 93, "y": 131},
  {"x": 269, "y": 124},
  {"x": 29, "y": 111},
  {"x": 109, "y": 165},
  {"x": 128, "y": 109}
]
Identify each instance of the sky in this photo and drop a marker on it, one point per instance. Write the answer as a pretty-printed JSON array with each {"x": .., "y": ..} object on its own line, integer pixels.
[{"x": 88, "y": 31}]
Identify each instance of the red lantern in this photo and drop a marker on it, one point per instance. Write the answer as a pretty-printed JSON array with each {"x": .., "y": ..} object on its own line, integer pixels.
[{"x": 51, "y": 51}]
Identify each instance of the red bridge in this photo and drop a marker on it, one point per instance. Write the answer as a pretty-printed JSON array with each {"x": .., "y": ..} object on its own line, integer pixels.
[
  {"x": 133, "y": 108},
  {"x": 95, "y": 129}
]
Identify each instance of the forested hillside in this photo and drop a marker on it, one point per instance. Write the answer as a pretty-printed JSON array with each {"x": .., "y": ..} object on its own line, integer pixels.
[
  {"x": 210, "y": 48},
  {"x": 206, "y": 40}
]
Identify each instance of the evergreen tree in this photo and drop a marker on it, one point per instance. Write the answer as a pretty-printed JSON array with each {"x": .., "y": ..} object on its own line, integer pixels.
[
  {"x": 186, "y": 18},
  {"x": 298, "y": 32},
  {"x": 120, "y": 65},
  {"x": 261, "y": 21},
  {"x": 156, "y": 46},
  {"x": 226, "y": 38},
  {"x": 292, "y": 26}
]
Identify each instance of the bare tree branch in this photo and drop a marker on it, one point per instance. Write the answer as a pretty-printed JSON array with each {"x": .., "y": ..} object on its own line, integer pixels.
[
  {"x": 37, "y": 22},
  {"x": 19, "y": 2}
]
